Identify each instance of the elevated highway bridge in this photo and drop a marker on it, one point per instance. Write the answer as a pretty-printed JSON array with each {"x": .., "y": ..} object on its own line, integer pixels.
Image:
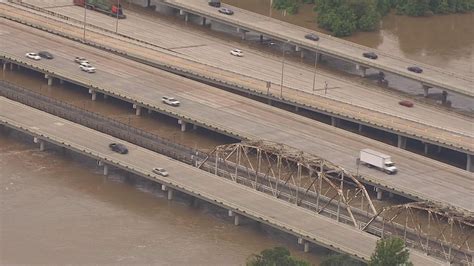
[
  {"x": 433, "y": 127},
  {"x": 246, "y": 21},
  {"x": 233, "y": 115},
  {"x": 239, "y": 200}
]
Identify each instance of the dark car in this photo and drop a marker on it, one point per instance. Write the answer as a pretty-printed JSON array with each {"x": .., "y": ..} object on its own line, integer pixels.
[
  {"x": 215, "y": 3},
  {"x": 46, "y": 55},
  {"x": 370, "y": 55},
  {"x": 312, "y": 36},
  {"x": 415, "y": 69},
  {"x": 226, "y": 11},
  {"x": 117, "y": 147}
]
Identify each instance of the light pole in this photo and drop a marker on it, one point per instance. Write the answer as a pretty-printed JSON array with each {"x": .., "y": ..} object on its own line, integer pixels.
[
  {"x": 282, "y": 69},
  {"x": 315, "y": 66},
  {"x": 85, "y": 8},
  {"x": 117, "y": 13}
]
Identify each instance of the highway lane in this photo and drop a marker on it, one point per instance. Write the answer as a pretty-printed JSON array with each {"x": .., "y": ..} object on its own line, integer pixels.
[
  {"x": 344, "y": 49},
  {"x": 214, "y": 189},
  {"x": 215, "y": 52},
  {"x": 419, "y": 176},
  {"x": 446, "y": 128}
]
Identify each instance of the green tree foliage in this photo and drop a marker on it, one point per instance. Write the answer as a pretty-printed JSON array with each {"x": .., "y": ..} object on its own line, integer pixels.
[
  {"x": 291, "y": 6},
  {"x": 340, "y": 260},
  {"x": 278, "y": 256},
  {"x": 424, "y": 7},
  {"x": 390, "y": 252}
]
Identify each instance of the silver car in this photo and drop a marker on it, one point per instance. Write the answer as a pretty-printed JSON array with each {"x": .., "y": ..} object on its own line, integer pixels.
[{"x": 160, "y": 171}]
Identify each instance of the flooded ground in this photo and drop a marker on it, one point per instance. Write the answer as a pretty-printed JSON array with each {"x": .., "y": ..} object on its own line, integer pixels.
[
  {"x": 445, "y": 41},
  {"x": 57, "y": 208}
]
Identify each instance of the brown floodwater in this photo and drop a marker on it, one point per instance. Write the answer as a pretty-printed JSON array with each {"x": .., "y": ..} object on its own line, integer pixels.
[
  {"x": 445, "y": 41},
  {"x": 56, "y": 207}
]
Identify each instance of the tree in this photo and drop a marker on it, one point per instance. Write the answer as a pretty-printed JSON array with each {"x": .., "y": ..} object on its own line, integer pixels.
[
  {"x": 340, "y": 260},
  {"x": 390, "y": 252},
  {"x": 278, "y": 256}
]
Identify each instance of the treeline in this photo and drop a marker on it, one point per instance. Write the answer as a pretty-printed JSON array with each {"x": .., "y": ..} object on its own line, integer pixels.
[{"x": 343, "y": 17}]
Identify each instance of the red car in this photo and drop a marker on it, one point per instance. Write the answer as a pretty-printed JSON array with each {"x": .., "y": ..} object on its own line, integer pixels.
[{"x": 406, "y": 103}]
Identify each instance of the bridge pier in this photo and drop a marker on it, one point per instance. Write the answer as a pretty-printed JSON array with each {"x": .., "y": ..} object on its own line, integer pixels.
[
  {"x": 305, "y": 244},
  {"x": 362, "y": 70},
  {"x": 203, "y": 22},
  {"x": 243, "y": 33},
  {"x": 360, "y": 128},
  {"x": 138, "y": 109},
  {"x": 185, "y": 14},
  {"x": 318, "y": 57},
  {"x": 4, "y": 66},
  {"x": 402, "y": 142},
  {"x": 444, "y": 97},
  {"x": 195, "y": 126},
  {"x": 40, "y": 142},
  {"x": 49, "y": 78},
  {"x": 426, "y": 147},
  {"x": 297, "y": 48},
  {"x": 11, "y": 66},
  {"x": 235, "y": 215},
  {"x": 469, "y": 163},
  {"x": 426, "y": 89},
  {"x": 93, "y": 94},
  {"x": 335, "y": 121},
  {"x": 379, "y": 193},
  {"x": 105, "y": 166},
  {"x": 183, "y": 125}
]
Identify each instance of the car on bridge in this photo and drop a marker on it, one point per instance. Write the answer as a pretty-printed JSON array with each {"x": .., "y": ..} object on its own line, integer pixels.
[
  {"x": 237, "y": 52},
  {"x": 160, "y": 171},
  {"x": 119, "y": 148},
  {"x": 370, "y": 55},
  {"x": 33, "y": 56},
  {"x": 86, "y": 67},
  {"x": 312, "y": 36},
  {"x": 415, "y": 69},
  {"x": 45, "y": 54},
  {"x": 170, "y": 101},
  {"x": 80, "y": 60},
  {"x": 226, "y": 11},
  {"x": 215, "y": 3}
]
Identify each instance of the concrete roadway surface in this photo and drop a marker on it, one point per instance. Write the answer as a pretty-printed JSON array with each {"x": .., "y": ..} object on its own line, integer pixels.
[
  {"x": 418, "y": 176},
  {"x": 439, "y": 126},
  {"x": 214, "y": 189},
  {"x": 285, "y": 31}
]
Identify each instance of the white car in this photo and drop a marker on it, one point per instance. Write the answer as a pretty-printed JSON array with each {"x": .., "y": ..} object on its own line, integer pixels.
[
  {"x": 33, "y": 56},
  {"x": 87, "y": 68},
  {"x": 160, "y": 171},
  {"x": 85, "y": 64},
  {"x": 80, "y": 60},
  {"x": 170, "y": 101},
  {"x": 237, "y": 52}
]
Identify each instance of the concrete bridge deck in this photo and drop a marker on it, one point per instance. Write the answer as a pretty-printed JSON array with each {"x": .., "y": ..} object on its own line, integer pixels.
[
  {"x": 219, "y": 191},
  {"x": 217, "y": 110},
  {"x": 249, "y": 21},
  {"x": 208, "y": 58}
]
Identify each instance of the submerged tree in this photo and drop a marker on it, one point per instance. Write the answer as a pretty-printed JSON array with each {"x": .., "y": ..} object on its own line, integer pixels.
[{"x": 278, "y": 256}]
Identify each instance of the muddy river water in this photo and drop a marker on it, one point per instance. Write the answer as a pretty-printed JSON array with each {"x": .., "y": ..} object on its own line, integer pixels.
[{"x": 56, "y": 207}]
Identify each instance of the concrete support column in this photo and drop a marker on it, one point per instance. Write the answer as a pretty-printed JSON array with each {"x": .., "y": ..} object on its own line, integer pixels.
[
  {"x": 390, "y": 195},
  {"x": 297, "y": 108},
  {"x": 170, "y": 194},
  {"x": 138, "y": 109},
  {"x": 93, "y": 94},
  {"x": 11, "y": 66},
  {"x": 306, "y": 247},
  {"x": 334, "y": 121},
  {"x": 469, "y": 163},
  {"x": 236, "y": 219},
  {"x": 195, "y": 126},
  {"x": 402, "y": 142},
  {"x": 106, "y": 169},
  {"x": 261, "y": 37},
  {"x": 362, "y": 70},
  {"x": 183, "y": 125},
  {"x": 379, "y": 193},
  {"x": 427, "y": 147},
  {"x": 203, "y": 21},
  {"x": 106, "y": 96},
  {"x": 149, "y": 111},
  {"x": 40, "y": 142},
  {"x": 49, "y": 78},
  {"x": 444, "y": 97},
  {"x": 318, "y": 57},
  {"x": 426, "y": 89},
  {"x": 61, "y": 81},
  {"x": 4, "y": 66},
  {"x": 297, "y": 48},
  {"x": 243, "y": 35},
  {"x": 360, "y": 128}
]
